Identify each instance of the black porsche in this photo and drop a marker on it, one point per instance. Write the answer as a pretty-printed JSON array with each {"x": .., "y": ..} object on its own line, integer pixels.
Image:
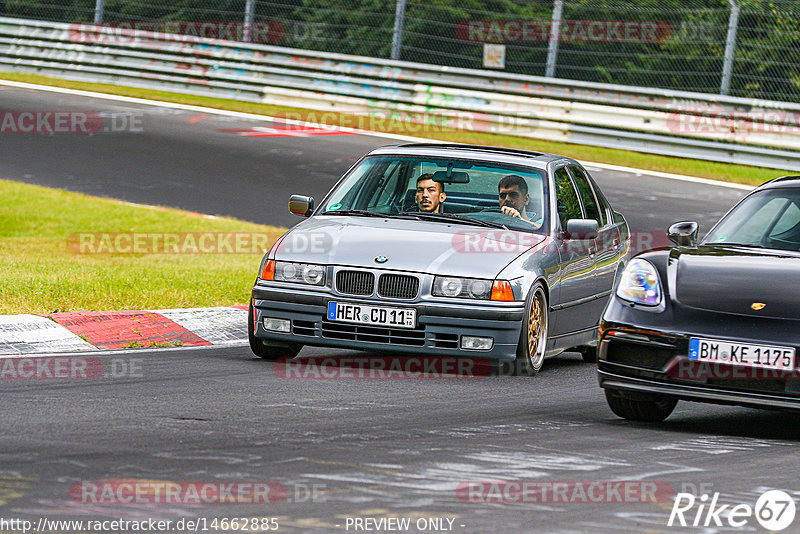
[{"x": 716, "y": 321}]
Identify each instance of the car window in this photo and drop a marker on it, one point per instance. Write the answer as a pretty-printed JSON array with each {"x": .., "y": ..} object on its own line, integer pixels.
[
  {"x": 387, "y": 185},
  {"x": 750, "y": 225},
  {"x": 569, "y": 206},
  {"x": 605, "y": 208},
  {"x": 788, "y": 220},
  {"x": 785, "y": 234},
  {"x": 587, "y": 195},
  {"x": 606, "y": 211},
  {"x": 769, "y": 218},
  {"x": 359, "y": 186}
]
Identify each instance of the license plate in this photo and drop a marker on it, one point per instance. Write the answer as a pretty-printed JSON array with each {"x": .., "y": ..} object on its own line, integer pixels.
[
  {"x": 744, "y": 354},
  {"x": 372, "y": 315}
]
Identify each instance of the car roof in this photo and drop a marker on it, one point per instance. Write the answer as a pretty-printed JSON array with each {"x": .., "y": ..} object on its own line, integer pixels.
[
  {"x": 492, "y": 154},
  {"x": 783, "y": 181}
]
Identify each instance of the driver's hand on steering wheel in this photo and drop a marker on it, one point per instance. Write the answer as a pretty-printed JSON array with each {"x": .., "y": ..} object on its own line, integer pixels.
[{"x": 511, "y": 212}]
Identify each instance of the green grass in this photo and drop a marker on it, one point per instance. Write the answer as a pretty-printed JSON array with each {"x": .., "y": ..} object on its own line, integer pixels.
[
  {"x": 44, "y": 272},
  {"x": 692, "y": 167}
]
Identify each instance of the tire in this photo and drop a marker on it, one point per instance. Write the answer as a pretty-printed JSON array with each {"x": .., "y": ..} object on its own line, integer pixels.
[
  {"x": 647, "y": 408},
  {"x": 533, "y": 336},
  {"x": 268, "y": 352},
  {"x": 589, "y": 354}
]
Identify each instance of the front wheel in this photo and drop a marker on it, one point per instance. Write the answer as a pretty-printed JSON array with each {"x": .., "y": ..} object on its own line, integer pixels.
[
  {"x": 533, "y": 338},
  {"x": 647, "y": 408},
  {"x": 265, "y": 351}
]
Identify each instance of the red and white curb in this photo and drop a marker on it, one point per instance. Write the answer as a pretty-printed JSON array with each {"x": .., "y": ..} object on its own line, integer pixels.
[{"x": 130, "y": 329}]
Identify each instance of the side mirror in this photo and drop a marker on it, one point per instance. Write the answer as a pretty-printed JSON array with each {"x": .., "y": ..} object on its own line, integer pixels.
[
  {"x": 301, "y": 205},
  {"x": 582, "y": 229},
  {"x": 683, "y": 234}
]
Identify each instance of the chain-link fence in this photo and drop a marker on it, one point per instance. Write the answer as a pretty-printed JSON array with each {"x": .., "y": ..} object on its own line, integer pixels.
[{"x": 747, "y": 48}]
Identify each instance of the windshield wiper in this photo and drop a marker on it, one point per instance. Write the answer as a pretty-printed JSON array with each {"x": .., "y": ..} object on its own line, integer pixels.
[
  {"x": 367, "y": 213},
  {"x": 731, "y": 244},
  {"x": 420, "y": 215},
  {"x": 362, "y": 213},
  {"x": 452, "y": 217}
]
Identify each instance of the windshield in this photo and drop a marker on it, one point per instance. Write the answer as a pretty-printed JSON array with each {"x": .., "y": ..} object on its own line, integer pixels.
[
  {"x": 769, "y": 219},
  {"x": 444, "y": 190}
]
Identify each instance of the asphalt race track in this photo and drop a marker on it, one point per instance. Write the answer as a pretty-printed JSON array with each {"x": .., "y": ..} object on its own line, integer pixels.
[
  {"x": 335, "y": 451},
  {"x": 185, "y": 159}
]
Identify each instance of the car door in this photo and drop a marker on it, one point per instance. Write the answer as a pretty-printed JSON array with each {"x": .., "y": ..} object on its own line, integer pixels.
[
  {"x": 578, "y": 288},
  {"x": 607, "y": 246}
]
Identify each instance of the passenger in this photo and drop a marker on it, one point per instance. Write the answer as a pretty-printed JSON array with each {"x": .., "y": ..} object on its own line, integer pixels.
[{"x": 430, "y": 194}]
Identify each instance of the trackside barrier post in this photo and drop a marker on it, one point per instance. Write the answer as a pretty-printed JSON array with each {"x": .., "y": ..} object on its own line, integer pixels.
[
  {"x": 397, "y": 34},
  {"x": 555, "y": 28},
  {"x": 99, "y": 9},
  {"x": 730, "y": 48},
  {"x": 249, "y": 15}
]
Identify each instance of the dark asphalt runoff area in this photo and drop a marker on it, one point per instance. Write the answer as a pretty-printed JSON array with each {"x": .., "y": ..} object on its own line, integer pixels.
[{"x": 337, "y": 453}]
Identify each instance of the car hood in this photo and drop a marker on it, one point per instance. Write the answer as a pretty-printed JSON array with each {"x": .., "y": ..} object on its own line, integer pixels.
[
  {"x": 731, "y": 279},
  {"x": 407, "y": 245}
]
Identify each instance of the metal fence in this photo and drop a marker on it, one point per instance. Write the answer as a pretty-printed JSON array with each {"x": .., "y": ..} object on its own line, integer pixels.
[
  {"x": 421, "y": 98},
  {"x": 745, "y": 48}
]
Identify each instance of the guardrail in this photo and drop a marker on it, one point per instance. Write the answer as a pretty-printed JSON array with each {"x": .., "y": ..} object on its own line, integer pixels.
[{"x": 710, "y": 127}]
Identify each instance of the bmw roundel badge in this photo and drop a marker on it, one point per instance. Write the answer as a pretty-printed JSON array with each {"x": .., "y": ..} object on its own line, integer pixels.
[{"x": 381, "y": 259}]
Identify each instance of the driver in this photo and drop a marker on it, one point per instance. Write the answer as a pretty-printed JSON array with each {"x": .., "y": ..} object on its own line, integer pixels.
[
  {"x": 430, "y": 194},
  {"x": 513, "y": 193}
]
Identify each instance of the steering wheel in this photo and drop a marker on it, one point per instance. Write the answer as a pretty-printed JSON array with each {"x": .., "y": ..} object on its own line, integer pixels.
[{"x": 492, "y": 209}]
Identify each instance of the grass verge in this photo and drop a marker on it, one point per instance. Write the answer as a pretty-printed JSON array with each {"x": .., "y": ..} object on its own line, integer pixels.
[
  {"x": 691, "y": 167},
  {"x": 61, "y": 251}
]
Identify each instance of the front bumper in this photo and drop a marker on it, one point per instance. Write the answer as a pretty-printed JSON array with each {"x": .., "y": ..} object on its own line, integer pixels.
[
  {"x": 642, "y": 352},
  {"x": 440, "y": 326}
]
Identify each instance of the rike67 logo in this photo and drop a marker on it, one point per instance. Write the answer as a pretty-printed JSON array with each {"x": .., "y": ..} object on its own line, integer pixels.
[{"x": 774, "y": 510}]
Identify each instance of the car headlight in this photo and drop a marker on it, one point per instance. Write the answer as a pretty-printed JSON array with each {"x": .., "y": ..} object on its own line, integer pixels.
[
  {"x": 640, "y": 283},
  {"x": 299, "y": 273},
  {"x": 471, "y": 288}
]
